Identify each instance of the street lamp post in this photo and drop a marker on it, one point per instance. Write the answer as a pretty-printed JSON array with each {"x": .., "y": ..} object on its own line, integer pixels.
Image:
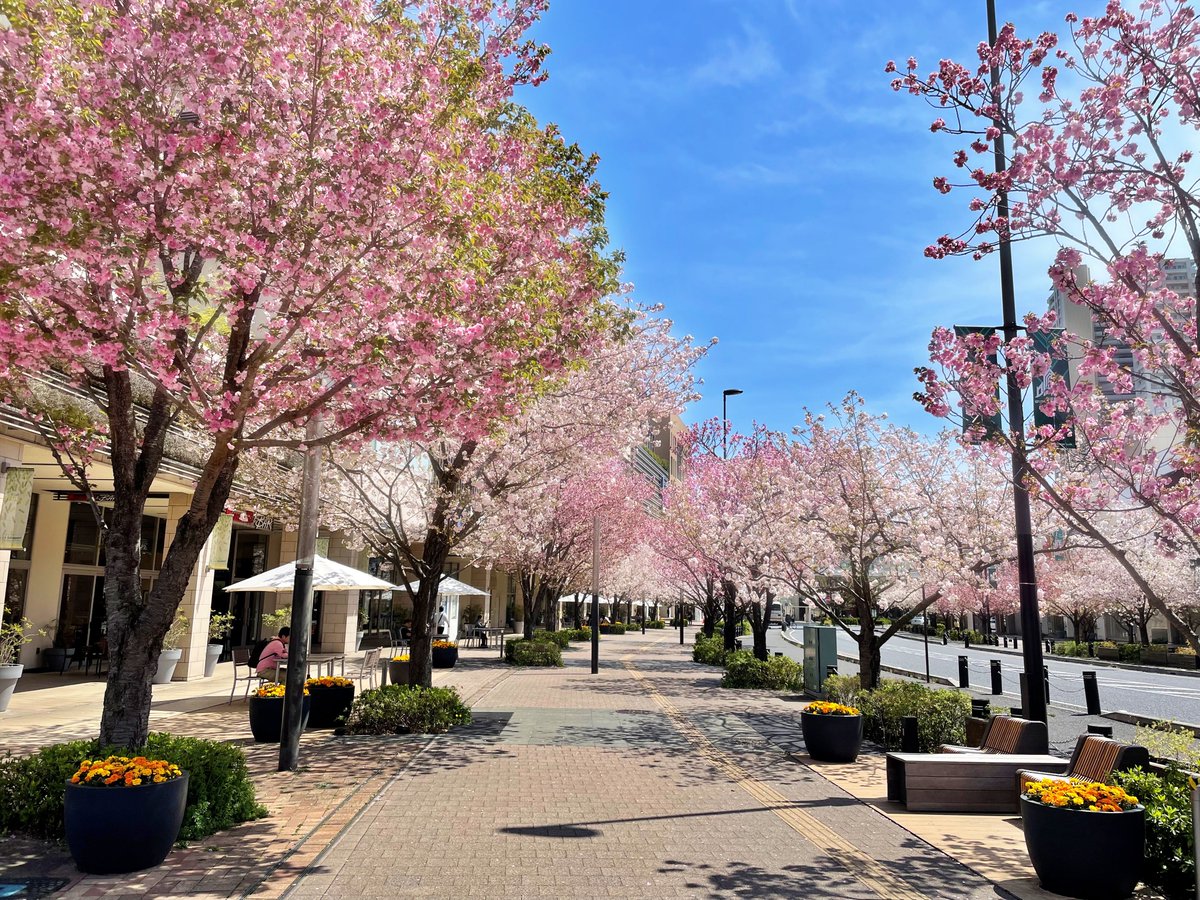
[
  {"x": 725, "y": 395},
  {"x": 1034, "y": 705}
]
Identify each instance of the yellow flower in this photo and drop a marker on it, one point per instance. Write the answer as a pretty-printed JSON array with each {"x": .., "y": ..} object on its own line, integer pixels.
[
  {"x": 1086, "y": 796},
  {"x": 826, "y": 708}
]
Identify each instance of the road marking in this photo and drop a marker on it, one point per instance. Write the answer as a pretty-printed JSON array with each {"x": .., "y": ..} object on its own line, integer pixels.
[{"x": 867, "y": 870}]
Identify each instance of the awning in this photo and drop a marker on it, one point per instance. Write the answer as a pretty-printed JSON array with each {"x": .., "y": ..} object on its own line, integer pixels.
[{"x": 327, "y": 576}]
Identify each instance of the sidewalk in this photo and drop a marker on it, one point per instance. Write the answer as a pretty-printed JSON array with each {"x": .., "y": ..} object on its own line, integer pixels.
[{"x": 647, "y": 780}]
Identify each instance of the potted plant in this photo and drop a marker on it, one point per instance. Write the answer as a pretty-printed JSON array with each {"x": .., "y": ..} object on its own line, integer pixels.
[
  {"x": 54, "y": 657},
  {"x": 219, "y": 626},
  {"x": 172, "y": 650},
  {"x": 331, "y": 697},
  {"x": 13, "y": 636},
  {"x": 397, "y": 669},
  {"x": 445, "y": 654},
  {"x": 266, "y": 713},
  {"x": 1062, "y": 817},
  {"x": 832, "y": 732},
  {"x": 1108, "y": 650},
  {"x": 123, "y": 814}
]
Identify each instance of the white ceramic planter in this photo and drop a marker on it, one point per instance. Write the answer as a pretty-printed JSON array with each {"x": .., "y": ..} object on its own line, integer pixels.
[
  {"x": 167, "y": 661},
  {"x": 210, "y": 659},
  {"x": 9, "y": 675}
]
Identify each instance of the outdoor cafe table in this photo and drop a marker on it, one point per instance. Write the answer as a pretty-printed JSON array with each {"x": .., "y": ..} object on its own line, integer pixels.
[
  {"x": 493, "y": 632},
  {"x": 320, "y": 660}
]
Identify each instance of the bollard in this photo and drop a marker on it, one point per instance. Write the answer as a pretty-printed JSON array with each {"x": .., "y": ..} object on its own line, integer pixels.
[
  {"x": 779, "y": 653},
  {"x": 945, "y": 640},
  {"x": 979, "y": 708},
  {"x": 1015, "y": 642},
  {"x": 1102, "y": 730},
  {"x": 964, "y": 678},
  {"x": 1049, "y": 646},
  {"x": 1005, "y": 639},
  {"x": 1015, "y": 711},
  {"x": 1046, "y": 681},
  {"x": 1092, "y": 649},
  {"x": 997, "y": 682},
  {"x": 909, "y": 741},
  {"x": 966, "y": 642},
  {"x": 1091, "y": 692}
]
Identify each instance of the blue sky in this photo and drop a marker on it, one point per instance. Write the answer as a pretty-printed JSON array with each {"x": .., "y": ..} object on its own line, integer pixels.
[{"x": 771, "y": 190}]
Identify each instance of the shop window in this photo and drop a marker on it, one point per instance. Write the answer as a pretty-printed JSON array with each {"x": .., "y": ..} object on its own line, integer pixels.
[{"x": 83, "y": 537}]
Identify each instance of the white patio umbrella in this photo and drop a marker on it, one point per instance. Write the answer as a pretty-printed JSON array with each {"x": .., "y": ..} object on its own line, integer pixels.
[
  {"x": 327, "y": 576},
  {"x": 452, "y": 589}
]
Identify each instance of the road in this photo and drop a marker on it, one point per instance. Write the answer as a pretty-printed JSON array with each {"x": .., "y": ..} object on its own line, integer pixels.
[{"x": 1165, "y": 696}]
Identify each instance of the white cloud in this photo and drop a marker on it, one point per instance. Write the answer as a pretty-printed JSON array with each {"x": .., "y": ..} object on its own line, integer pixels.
[{"x": 738, "y": 59}]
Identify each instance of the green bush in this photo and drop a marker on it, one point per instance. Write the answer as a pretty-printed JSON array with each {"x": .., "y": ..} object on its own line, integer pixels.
[
  {"x": 613, "y": 628},
  {"x": 1170, "y": 852},
  {"x": 844, "y": 689},
  {"x": 560, "y": 638},
  {"x": 532, "y": 653},
  {"x": 580, "y": 634},
  {"x": 220, "y": 793},
  {"x": 709, "y": 650},
  {"x": 656, "y": 623},
  {"x": 1071, "y": 648},
  {"x": 1131, "y": 653},
  {"x": 743, "y": 670},
  {"x": 407, "y": 709},
  {"x": 941, "y": 714}
]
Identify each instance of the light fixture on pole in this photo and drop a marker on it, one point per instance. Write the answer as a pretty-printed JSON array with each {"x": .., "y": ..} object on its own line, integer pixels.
[{"x": 725, "y": 395}]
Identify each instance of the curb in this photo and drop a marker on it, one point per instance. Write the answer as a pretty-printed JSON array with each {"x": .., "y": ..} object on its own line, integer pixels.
[
  {"x": 1138, "y": 719},
  {"x": 1133, "y": 667}
]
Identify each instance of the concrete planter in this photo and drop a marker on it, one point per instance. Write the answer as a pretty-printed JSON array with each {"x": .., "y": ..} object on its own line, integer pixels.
[
  {"x": 1089, "y": 855},
  {"x": 167, "y": 661},
  {"x": 9, "y": 676},
  {"x": 211, "y": 656},
  {"x": 1181, "y": 660},
  {"x": 1154, "y": 657},
  {"x": 112, "y": 830},
  {"x": 1110, "y": 653}
]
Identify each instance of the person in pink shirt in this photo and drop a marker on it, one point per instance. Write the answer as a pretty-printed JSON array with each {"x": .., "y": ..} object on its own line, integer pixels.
[{"x": 272, "y": 654}]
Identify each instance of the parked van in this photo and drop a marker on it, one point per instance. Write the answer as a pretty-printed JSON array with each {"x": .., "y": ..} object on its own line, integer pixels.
[{"x": 776, "y": 615}]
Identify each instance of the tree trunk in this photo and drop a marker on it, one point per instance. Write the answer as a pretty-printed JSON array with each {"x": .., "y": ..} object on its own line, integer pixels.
[
  {"x": 869, "y": 662},
  {"x": 528, "y": 599},
  {"x": 730, "y": 594},
  {"x": 135, "y": 627},
  {"x": 1144, "y": 632}
]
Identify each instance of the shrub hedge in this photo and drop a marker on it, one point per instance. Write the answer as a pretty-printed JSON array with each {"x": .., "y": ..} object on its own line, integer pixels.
[
  {"x": 220, "y": 793},
  {"x": 407, "y": 709},
  {"x": 941, "y": 714},
  {"x": 656, "y": 623},
  {"x": 561, "y": 638},
  {"x": 613, "y": 628},
  {"x": 709, "y": 650},
  {"x": 520, "y": 652},
  {"x": 743, "y": 670},
  {"x": 579, "y": 634},
  {"x": 1170, "y": 860}
]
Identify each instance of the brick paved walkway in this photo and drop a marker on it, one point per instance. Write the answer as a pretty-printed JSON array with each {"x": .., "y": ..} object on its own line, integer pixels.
[{"x": 644, "y": 781}]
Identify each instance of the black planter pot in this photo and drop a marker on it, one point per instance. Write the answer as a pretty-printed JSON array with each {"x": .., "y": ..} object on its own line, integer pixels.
[
  {"x": 832, "y": 738},
  {"x": 445, "y": 657},
  {"x": 398, "y": 671},
  {"x": 266, "y": 718},
  {"x": 111, "y": 830},
  {"x": 1112, "y": 844},
  {"x": 328, "y": 704}
]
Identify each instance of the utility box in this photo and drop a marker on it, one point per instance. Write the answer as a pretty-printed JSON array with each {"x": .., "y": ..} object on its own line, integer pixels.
[{"x": 820, "y": 652}]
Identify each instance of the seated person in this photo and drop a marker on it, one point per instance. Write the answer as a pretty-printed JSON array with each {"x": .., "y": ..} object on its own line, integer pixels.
[
  {"x": 406, "y": 631},
  {"x": 272, "y": 654}
]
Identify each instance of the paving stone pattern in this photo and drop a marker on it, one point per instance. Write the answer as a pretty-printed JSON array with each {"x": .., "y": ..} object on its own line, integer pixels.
[{"x": 646, "y": 781}]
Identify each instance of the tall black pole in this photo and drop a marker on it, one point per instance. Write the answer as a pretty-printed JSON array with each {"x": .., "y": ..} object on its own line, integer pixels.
[
  {"x": 925, "y": 633},
  {"x": 725, "y": 425},
  {"x": 595, "y": 594},
  {"x": 1034, "y": 705},
  {"x": 302, "y": 601}
]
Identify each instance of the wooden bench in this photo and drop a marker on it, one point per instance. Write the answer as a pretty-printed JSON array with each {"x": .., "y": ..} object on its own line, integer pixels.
[
  {"x": 1095, "y": 759},
  {"x": 1008, "y": 734},
  {"x": 962, "y": 782}
]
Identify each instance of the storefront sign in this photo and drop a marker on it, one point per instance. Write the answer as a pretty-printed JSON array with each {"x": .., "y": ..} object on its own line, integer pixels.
[{"x": 14, "y": 508}]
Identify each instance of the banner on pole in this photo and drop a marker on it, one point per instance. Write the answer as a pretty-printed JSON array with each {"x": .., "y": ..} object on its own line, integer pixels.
[
  {"x": 14, "y": 508},
  {"x": 1060, "y": 366},
  {"x": 989, "y": 425},
  {"x": 222, "y": 536}
]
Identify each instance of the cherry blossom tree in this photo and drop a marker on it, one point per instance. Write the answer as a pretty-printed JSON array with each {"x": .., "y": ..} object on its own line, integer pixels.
[
  {"x": 1100, "y": 165},
  {"x": 227, "y": 219},
  {"x": 417, "y": 503}
]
